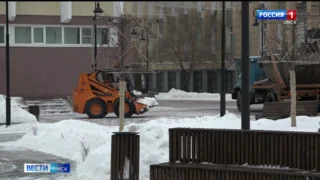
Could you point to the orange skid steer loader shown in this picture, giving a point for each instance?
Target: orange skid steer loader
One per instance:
(97, 95)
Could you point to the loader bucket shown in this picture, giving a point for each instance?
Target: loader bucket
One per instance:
(142, 108)
(277, 110)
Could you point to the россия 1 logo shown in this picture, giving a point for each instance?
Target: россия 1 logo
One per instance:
(288, 16)
(46, 168)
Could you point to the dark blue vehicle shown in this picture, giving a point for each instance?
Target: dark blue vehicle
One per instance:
(256, 74)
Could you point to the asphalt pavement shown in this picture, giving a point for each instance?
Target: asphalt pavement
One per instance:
(166, 108)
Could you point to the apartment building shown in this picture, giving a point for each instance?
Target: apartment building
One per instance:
(206, 75)
(50, 45)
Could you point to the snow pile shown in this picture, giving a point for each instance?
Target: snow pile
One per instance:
(17, 128)
(176, 94)
(90, 144)
(150, 102)
(135, 92)
(18, 115)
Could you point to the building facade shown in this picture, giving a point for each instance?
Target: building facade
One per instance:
(51, 44)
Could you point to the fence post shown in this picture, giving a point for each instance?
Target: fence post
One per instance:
(125, 155)
(35, 110)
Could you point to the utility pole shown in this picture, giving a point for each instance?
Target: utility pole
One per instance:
(245, 94)
(8, 100)
(223, 52)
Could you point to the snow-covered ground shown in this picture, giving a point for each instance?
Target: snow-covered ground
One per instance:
(18, 115)
(176, 94)
(89, 144)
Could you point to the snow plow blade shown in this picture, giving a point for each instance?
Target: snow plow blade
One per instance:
(142, 108)
(277, 110)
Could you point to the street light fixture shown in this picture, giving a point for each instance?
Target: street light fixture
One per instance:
(97, 12)
(256, 23)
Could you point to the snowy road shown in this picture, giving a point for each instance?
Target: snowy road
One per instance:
(12, 159)
(166, 108)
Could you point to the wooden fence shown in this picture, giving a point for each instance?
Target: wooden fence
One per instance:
(169, 171)
(125, 154)
(236, 147)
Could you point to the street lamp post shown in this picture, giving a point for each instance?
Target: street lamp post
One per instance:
(8, 100)
(147, 56)
(97, 12)
(245, 101)
(256, 23)
(223, 52)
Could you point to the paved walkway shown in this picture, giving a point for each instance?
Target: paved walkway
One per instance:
(12, 161)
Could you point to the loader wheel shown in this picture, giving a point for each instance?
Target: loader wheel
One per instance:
(271, 97)
(239, 101)
(96, 108)
(129, 108)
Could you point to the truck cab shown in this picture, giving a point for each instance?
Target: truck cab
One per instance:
(256, 74)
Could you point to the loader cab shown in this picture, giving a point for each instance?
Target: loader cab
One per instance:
(104, 77)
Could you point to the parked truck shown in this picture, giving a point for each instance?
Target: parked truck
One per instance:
(270, 82)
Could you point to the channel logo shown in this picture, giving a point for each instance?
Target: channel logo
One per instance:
(46, 168)
(276, 15)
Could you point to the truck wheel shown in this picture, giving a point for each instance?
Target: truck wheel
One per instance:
(239, 101)
(96, 108)
(271, 97)
(129, 108)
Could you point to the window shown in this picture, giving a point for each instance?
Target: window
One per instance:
(38, 35)
(139, 10)
(161, 12)
(1, 34)
(86, 35)
(199, 7)
(229, 38)
(150, 9)
(54, 35)
(113, 37)
(102, 36)
(71, 35)
(228, 4)
(279, 34)
(22, 35)
(213, 41)
(186, 8)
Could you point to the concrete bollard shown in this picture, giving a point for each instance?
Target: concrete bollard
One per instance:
(35, 110)
(125, 155)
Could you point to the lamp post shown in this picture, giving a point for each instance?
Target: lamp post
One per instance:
(147, 56)
(256, 23)
(223, 51)
(245, 101)
(97, 12)
(8, 100)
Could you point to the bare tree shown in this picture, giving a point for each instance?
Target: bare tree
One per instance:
(287, 45)
(121, 50)
(186, 41)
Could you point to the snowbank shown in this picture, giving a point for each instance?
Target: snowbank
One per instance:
(176, 94)
(137, 92)
(18, 115)
(90, 144)
(150, 102)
